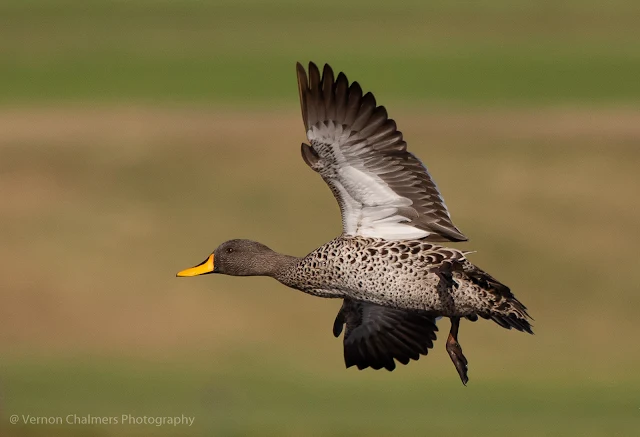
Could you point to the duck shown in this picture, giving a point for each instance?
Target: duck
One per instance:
(390, 266)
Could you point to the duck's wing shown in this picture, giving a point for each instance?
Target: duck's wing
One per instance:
(382, 189)
(376, 335)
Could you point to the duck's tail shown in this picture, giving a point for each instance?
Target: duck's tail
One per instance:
(500, 305)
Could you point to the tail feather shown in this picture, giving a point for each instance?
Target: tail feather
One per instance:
(510, 321)
(503, 307)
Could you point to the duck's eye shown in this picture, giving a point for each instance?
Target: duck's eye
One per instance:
(229, 249)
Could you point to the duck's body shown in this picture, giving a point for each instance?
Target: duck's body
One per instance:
(395, 281)
(388, 273)
(409, 275)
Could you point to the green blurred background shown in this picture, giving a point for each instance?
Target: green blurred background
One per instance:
(135, 136)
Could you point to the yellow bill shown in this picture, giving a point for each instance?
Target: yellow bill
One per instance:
(200, 269)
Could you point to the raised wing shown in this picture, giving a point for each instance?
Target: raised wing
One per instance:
(383, 190)
(377, 335)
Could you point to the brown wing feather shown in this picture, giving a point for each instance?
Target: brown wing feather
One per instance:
(373, 142)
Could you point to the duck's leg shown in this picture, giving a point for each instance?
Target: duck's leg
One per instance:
(455, 351)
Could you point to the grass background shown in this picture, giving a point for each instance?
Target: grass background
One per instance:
(489, 52)
(136, 136)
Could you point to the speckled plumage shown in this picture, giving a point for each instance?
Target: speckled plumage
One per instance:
(408, 274)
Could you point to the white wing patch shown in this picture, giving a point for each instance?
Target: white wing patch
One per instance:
(369, 206)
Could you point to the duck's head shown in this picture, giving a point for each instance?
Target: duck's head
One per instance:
(235, 258)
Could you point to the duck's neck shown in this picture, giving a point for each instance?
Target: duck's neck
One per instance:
(274, 264)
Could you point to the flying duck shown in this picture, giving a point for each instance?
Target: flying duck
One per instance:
(389, 267)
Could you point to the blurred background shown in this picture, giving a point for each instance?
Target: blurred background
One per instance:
(135, 136)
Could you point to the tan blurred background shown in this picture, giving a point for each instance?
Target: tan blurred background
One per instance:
(136, 136)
